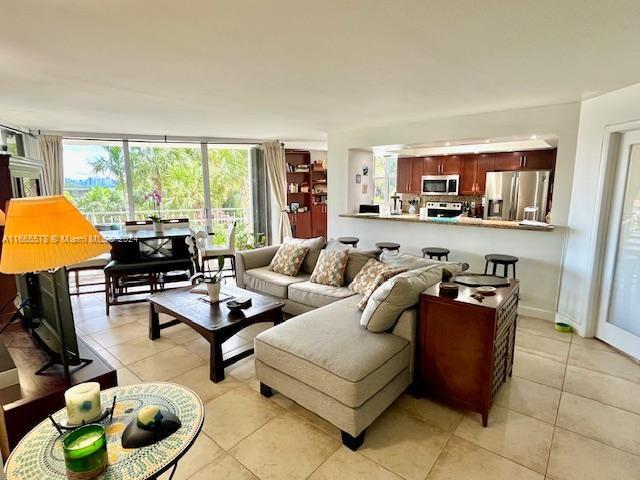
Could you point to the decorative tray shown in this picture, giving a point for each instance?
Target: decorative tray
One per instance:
(480, 280)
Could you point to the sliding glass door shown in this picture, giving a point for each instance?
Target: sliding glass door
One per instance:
(619, 322)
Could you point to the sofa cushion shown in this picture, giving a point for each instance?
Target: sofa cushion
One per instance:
(399, 293)
(317, 295)
(330, 267)
(405, 260)
(314, 245)
(288, 259)
(271, 283)
(328, 350)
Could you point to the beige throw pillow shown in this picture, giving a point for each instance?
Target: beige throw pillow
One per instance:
(330, 267)
(288, 259)
(401, 292)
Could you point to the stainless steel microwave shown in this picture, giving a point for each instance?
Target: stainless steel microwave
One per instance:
(440, 184)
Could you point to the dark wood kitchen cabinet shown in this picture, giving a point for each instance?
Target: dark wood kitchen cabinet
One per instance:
(409, 178)
(508, 161)
(404, 175)
(465, 347)
(473, 177)
(442, 165)
(539, 159)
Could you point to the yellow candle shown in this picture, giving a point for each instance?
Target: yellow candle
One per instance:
(83, 403)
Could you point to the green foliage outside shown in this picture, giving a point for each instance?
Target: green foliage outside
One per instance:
(176, 172)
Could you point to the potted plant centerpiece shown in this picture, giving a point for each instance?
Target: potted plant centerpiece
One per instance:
(212, 280)
(155, 196)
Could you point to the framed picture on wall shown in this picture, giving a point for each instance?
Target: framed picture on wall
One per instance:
(358, 178)
(365, 188)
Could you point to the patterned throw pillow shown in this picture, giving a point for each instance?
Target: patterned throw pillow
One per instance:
(367, 275)
(382, 277)
(330, 267)
(288, 259)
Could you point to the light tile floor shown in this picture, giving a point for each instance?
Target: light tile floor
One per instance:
(571, 411)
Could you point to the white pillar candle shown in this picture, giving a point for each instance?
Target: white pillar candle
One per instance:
(83, 403)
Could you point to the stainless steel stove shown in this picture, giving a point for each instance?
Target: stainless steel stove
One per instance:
(444, 209)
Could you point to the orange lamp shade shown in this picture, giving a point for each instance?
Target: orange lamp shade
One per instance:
(45, 233)
(3, 218)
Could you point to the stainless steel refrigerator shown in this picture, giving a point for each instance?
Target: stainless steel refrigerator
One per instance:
(517, 195)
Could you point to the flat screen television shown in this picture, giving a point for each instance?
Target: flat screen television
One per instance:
(49, 316)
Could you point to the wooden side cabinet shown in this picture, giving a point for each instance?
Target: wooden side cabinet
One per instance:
(465, 347)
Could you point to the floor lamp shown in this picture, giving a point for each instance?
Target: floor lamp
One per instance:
(46, 234)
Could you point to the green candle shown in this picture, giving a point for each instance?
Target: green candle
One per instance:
(85, 452)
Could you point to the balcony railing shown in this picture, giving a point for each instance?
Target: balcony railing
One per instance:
(196, 216)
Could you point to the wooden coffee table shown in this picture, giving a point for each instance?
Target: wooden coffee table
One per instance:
(216, 323)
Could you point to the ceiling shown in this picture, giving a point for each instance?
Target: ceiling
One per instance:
(294, 70)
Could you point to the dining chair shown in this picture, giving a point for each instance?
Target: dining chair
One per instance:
(227, 251)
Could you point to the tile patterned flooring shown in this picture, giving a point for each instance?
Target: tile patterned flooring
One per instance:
(571, 411)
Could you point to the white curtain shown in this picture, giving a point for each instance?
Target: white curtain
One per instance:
(277, 174)
(51, 152)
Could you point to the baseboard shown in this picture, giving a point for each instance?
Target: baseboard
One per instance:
(535, 312)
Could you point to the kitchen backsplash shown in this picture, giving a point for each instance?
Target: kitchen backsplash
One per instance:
(440, 198)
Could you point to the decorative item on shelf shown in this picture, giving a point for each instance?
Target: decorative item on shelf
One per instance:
(150, 426)
(412, 205)
(211, 280)
(319, 166)
(85, 452)
(294, 207)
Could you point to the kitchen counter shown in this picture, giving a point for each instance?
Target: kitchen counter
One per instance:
(460, 221)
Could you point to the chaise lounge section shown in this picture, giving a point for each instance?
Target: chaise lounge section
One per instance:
(324, 358)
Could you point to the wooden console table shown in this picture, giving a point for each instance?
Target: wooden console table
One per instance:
(27, 404)
(465, 347)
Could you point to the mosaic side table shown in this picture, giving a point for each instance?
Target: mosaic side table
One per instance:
(39, 454)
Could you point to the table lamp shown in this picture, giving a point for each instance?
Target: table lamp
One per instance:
(47, 233)
(3, 218)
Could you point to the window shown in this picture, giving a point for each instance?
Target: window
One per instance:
(385, 175)
(174, 173)
(13, 142)
(95, 179)
(230, 189)
(96, 175)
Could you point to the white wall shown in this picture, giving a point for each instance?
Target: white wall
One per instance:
(357, 160)
(579, 291)
(540, 253)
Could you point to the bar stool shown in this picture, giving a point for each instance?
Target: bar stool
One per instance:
(498, 259)
(391, 246)
(353, 241)
(436, 252)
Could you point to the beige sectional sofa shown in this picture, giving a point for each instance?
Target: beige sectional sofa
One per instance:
(323, 358)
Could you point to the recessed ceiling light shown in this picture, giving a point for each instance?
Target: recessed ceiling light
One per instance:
(487, 141)
(533, 137)
(448, 143)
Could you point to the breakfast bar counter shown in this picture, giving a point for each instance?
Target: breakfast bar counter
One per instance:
(461, 221)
